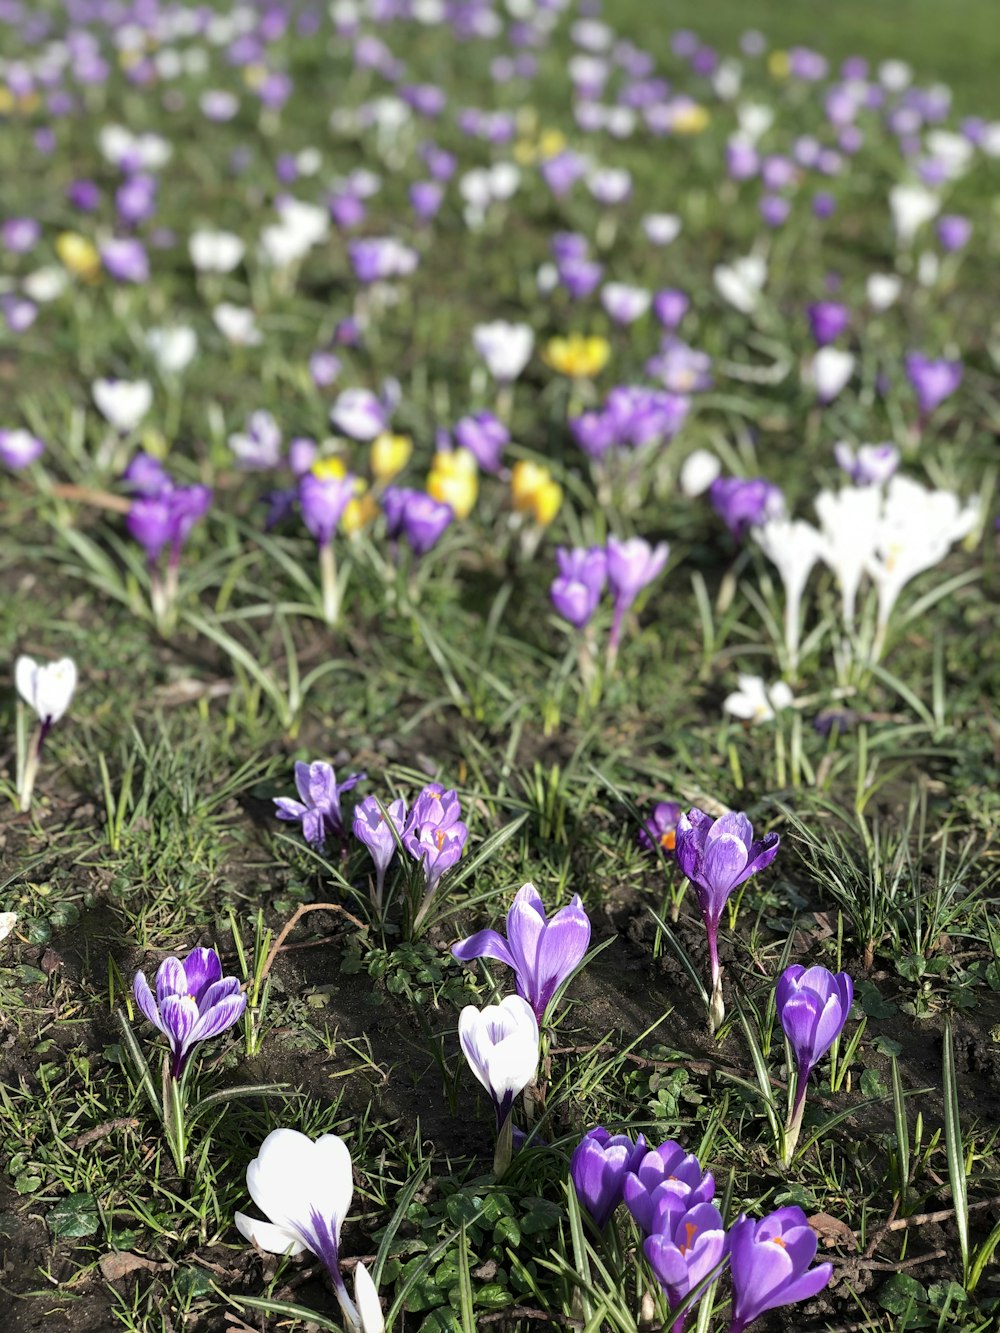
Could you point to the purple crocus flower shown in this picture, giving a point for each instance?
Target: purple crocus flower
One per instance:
(813, 1006)
(165, 517)
(146, 475)
(744, 502)
(19, 448)
(485, 436)
(827, 321)
(580, 276)
(415, 516)
(666, 1183)
(933, 380)
(125, 259)
(598, 1168)
(426, 198)
(717, 856)
(135, 199)
(774, 210)
(84, 195)
(670, 306)
(435, 834)
(19, 235)
(659, 831)
(632, 566)
(323, 501)
(870, 465)
(953, 231)
(769, 1264)
(582, 578)
(373, 829)
(193, 1002)
(543, 953)
(318, 809)
(324, 367)
(685, 1255)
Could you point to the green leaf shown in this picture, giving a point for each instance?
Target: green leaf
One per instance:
(901, 1294)
(869, 997)
(74, 1216)
(27, 1182)
(541, 1216)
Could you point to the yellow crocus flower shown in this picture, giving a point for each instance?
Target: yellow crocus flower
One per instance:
(534, 491)
(551, 142)
(389, 455)
(79, 255)
(360, 511)
(454, 480)
(578, 356)
(779, 63)
(690, 119)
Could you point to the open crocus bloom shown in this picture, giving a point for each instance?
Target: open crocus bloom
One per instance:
(48, 687)
(769, 1263)
(543, 953)
(501, 1045)
(305, 1188)
(193, 1002)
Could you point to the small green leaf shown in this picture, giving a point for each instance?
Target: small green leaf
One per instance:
(869, 997)
(74, 1217)
(26, 1183)
(901, 1294)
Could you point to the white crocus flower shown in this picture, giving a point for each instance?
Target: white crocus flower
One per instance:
(46, 284)
(661, 228)
(506, 348)
(756, 702)
(173, 349)
(47, 688)
(755, 119)
(829, 372)
(698, 472)
(911, 207)
(123, 403)
(215, 251)
(882, 290)
(305, 1189)
(238, 324)
(500, 1043)
(915, 531)
(793, 547)
(849, 521)
(741, 282)
(8, 920)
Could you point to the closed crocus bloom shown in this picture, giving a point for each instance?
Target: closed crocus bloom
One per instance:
(215, 251)
(305, 1189)
(47, 687)
(741, 283)
(598, 1168)
(624, 303)
(684, 1256)
(869, 464)
(666, 1183)
(372, 827)
(718, 855)
(829, 371)
(849, 524)
(769, 1264)
(505, 348)
(582, 577)
(79, 255)
(193, 1002)
(534, 491)
(813, 1005)
(323, 499)
(632, 565)
(484, 436)
(882, 290)
(793, 547)
(578, 356)
(699, 470)
(827, 321)
(454, 480)
(125, 259)
(911, 206)
(123, 403)
(933, 380)
(360, 414)
(500, 1043)
(542, 952)
(389, 455)
(745, 502)
(173, 349)
(19, 448)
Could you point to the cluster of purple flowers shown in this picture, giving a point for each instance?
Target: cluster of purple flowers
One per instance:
(162, 513)
(631, 417)
(626, 567)
(432, 831)
(745, 502)
(671, 1198)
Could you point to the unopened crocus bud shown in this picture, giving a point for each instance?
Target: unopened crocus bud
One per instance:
(598, 1168)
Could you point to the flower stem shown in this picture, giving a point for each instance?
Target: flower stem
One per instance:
(794, 1125)
(26, 786)
(716, 1004)
(173, 1115)
(328, 579)
(505, 1147)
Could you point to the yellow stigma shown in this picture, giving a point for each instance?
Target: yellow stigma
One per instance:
(578, 356)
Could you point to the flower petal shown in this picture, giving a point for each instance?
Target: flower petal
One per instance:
(273, 1239)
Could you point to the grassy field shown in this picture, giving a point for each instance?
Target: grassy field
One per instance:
(153, 827)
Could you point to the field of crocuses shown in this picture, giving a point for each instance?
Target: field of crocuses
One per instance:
(500, 557)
